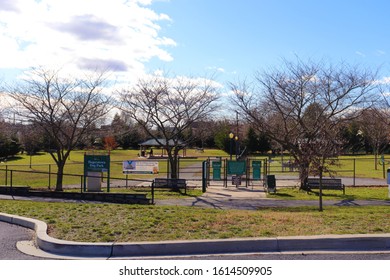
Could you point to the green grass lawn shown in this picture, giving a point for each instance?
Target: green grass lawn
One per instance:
(44, 163)
(127, 223)
(351, 193)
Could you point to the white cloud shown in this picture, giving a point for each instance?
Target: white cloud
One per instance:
(380, 52)
(120, 35)
(360, 54)
(384, 81)
(216, 69)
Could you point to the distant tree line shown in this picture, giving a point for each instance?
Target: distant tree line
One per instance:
(368, 134)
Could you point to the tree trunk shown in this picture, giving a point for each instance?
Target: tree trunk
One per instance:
(320, 190)
(173, 161)
(376, 158)
(60, 176)
(303, 174)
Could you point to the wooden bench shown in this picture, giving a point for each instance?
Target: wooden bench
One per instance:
(327, 184)
(166, 183)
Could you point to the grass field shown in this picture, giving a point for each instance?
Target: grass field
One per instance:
(122, 223)
(361, 166)
(126, 223)
(44, 163)
(351, 193)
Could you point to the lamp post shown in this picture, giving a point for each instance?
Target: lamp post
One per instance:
(236, 138)
(231, 136)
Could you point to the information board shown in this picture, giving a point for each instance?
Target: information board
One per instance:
(92, 165)
(236, 167)
(140, 167)
(97, 163)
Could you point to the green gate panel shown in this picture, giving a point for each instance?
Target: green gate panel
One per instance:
(217, 170)
(256, 168)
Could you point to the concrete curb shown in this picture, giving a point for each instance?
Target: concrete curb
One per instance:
(359, 242)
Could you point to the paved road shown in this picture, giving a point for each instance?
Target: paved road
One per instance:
(293, 256)
(9, 236)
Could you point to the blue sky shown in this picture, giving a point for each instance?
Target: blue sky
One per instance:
(233, 39)
(241, 37)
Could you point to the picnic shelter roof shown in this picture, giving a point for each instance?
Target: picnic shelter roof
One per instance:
(161, 142)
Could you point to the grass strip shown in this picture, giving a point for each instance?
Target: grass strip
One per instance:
(129, 223)
(351, 193)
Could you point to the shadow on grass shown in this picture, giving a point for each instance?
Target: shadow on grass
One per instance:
(281, 195)
(11, 159)
(297, 209)
(335, 196)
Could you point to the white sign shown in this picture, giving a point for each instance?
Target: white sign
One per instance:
(140, 166)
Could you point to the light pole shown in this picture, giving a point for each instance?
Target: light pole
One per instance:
(236, 138)
(231, 136)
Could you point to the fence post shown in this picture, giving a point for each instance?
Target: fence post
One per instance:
(178, 168)
(168, 168)
(152, 193)
(247, 173)
(354, 172)
(208, 171)
(204, 176)
(6, 175)
(11, 178)
(225, 173)
(49, 175)
(269, 165)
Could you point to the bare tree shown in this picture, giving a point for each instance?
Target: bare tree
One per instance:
(301, 105)
(374, 126)
(166, 107)
(67, 109)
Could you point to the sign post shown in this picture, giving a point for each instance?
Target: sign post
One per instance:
(204, 176)
(93, 165)
(388, 182)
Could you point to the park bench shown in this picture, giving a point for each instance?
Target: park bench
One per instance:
(327, 184)
(167, 183)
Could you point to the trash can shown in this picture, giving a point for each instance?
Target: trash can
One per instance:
(271, 183)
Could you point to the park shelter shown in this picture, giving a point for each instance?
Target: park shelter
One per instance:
(146, 148)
